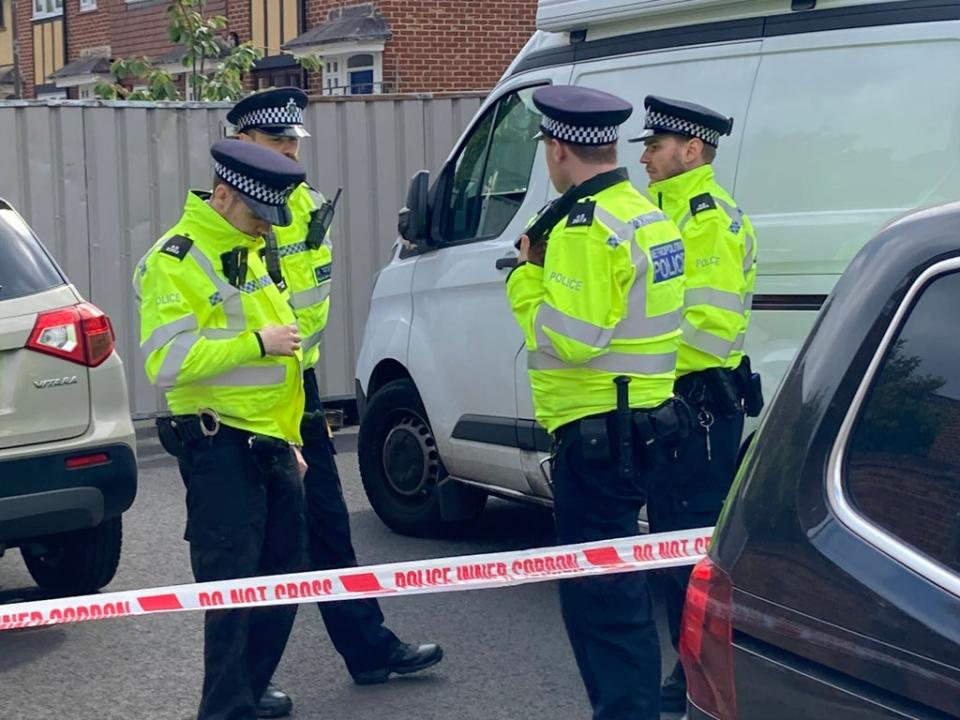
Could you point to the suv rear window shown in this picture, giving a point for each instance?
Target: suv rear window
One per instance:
(904, 472)
(25, 268)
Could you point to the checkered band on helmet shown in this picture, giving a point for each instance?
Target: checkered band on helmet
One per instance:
(289, 114)
(254, 188)
(662, 122)
(604, 135)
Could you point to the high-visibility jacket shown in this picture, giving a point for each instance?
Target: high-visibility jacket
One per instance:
(607, 302)
(307, 271)
(197, 330)
(721, 268)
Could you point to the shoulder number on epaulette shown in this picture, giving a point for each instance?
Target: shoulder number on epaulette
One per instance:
(582, 214)
(700, 203)
(178, 246)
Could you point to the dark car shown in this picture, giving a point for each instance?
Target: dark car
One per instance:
(832, 587)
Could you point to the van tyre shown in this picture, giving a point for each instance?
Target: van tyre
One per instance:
(78, 562)
(401, 468)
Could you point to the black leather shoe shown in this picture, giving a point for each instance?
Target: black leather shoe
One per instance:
(404, 660)
(673, 692)
(274, 703)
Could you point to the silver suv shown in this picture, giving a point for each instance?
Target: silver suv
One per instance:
(68, 466)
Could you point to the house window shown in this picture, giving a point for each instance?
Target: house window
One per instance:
(47, 8)
(52, 95)
(85, 92)
(88, 5)
(356, 74)
(360, 74)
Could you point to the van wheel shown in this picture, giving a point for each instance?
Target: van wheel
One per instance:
(401, 467)
(78, 562)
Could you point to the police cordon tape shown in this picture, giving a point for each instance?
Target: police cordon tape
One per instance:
(469, 572)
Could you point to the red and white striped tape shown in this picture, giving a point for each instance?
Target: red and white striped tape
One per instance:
(470, 572)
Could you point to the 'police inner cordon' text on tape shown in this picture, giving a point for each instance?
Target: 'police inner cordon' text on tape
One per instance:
(470, 572)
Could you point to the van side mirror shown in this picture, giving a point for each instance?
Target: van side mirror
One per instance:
(414, 220)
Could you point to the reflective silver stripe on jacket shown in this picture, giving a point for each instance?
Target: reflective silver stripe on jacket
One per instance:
(311, 297)
(705, 341)
(740, 342)
(162, 334)
(249, 377)
(568, 326)
(627, 230)
(720, 299)
(175, 357)
(312, 341)
(613, 362)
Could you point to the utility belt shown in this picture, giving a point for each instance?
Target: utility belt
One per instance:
(178, 433)
(654, 435)
(723, 392)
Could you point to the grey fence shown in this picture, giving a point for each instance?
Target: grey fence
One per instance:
(100, 182)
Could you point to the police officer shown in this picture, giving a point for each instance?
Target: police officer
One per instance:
(274, 119)
(714, 375)
(599, 304)
(221, 340)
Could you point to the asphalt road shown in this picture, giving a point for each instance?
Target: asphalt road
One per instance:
(506, 652)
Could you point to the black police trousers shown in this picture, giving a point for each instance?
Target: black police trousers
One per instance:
(609, 618)
(355, 626)
(690, 494)
(244, 518)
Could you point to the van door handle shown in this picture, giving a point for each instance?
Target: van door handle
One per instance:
(510, 261)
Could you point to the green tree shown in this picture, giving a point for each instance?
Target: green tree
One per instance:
(902, 414)
(214, 74)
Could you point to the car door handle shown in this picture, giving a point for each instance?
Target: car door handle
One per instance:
(510, 261)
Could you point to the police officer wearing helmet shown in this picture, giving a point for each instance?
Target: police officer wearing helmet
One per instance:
(598, 294)
(300, 255)
(714, 374)
(221, 340)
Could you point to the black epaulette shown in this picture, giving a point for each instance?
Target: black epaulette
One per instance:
(699, 203)
(582, 214)
(178, 246)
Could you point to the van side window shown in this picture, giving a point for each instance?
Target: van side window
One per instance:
(903, 472)
(492, 171)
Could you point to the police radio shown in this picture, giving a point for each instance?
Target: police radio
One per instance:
(320, 221)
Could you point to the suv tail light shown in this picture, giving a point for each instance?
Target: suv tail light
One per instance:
(79, 333)
(706, 641)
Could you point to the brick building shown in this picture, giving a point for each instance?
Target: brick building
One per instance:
(377, 46)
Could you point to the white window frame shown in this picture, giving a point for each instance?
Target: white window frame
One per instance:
(88, 5)
(53, 95)
(47, 12)
(85, 92)
(336, 74)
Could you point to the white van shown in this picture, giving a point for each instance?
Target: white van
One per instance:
(847, 113)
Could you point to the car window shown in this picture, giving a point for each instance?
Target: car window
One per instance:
(25, 268)
(493, 169)
(904, 462)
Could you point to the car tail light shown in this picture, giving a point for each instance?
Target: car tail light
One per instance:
(82, 461)
(79, 333)
(706, 641)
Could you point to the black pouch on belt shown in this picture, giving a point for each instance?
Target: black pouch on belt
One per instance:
(169, 439)
(723, 392)
(178, 431)
(595, 440)
(750, 388)
(266, 449)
